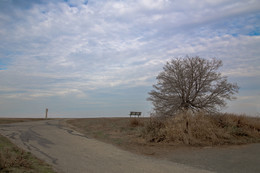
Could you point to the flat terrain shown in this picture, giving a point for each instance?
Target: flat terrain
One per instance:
(70, 151)
(123, 133)
(17, 120)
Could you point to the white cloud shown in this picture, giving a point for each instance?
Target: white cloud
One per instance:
(77, 47)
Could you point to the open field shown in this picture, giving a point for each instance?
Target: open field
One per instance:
(150, 136)
(117, 131)
(17, 120)
(238, 156)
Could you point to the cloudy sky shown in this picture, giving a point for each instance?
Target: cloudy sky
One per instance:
(100, 58)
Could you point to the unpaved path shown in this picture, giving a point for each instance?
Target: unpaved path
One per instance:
(71, 152)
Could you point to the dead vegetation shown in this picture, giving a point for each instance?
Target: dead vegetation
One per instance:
(136, 122)
(18, 120)
(203, 129)
(118, 131)
(14, 159)
(10, 160)
(191, 83)
(154, 136)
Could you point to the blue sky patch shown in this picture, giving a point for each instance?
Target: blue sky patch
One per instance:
(3, 65)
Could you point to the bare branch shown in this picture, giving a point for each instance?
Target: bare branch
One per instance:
(191, 83)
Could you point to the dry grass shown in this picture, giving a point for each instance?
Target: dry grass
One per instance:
(188, 129)
(157, 136)
(117, 131)
(202, 129)
(121, 132)
(9, 160)
(14, 159)
(135, 122)
(17, 120)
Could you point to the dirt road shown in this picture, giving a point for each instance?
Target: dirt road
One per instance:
(71, 152)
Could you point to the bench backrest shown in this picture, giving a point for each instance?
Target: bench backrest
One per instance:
(136, 113)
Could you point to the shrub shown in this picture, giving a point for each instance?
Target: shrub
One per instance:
(154, 130)
(203, 129)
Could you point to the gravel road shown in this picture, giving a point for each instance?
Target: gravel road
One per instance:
(71, 152)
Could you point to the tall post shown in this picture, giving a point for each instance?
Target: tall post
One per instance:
(46, 113)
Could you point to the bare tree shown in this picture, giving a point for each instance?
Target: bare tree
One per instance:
(192, 83)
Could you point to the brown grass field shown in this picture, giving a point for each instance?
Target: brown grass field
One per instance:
(122, 132)
(158, 136)
(18, 120)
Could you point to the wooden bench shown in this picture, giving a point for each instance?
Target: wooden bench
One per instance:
(135, 114)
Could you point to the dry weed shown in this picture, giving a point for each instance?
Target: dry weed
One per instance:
(9, 159)
(135, 122)
(203, 129)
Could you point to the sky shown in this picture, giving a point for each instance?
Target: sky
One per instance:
(100, 58)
